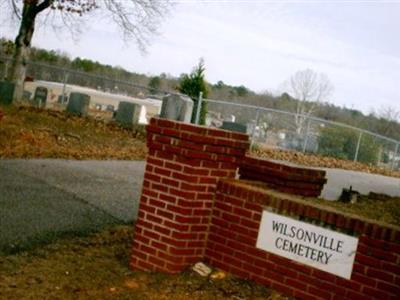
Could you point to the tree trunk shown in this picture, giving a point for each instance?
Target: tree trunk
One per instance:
(17, 70)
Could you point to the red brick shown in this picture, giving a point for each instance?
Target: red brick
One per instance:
(167, 198)
(367, 260)
(155, 161)
(173, 166)
(179, 210)
(375, 293)
(352, 295)
(152, 235)
(165, 214)
(287, 290)
(157, 203)
(304, 296)
(164, 123)
(361, 279)
(165, 155)
(196, 171)
(176, 226)
(152, 177)
(373, 273)
(230, 217)
(162, 230)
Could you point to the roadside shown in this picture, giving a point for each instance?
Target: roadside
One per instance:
(41, 200)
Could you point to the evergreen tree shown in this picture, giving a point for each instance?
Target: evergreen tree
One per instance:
(192, 84)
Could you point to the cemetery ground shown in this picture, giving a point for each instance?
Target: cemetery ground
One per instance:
(27, 132)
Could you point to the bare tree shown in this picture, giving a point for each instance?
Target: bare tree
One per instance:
(137, 19)
(388, 121)
(309, 89)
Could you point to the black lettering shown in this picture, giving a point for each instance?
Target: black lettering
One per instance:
(292, 232)
(276, 226)
(276, 242)
(320, 255)
(327, 257)
(317, 238)
(300, 250)
(313, 254)
(300, 232)
(307, 237)
(286, 245)
(293, 247)
(339, 246)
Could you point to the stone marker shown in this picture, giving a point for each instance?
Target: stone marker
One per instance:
(201, 269)
(177, 108)
(128, 113)
(6, 92)
(232, 126)
(78, 104)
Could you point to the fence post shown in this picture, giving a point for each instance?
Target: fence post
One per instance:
(254, 128)
(306, 138)
(358, 146)
(6, 70)
(64, 86)
(198, 109)
(396, 149)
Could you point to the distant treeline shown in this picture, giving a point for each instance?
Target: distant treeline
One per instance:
(219, 91)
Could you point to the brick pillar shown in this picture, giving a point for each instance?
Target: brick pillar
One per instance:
(183, 167)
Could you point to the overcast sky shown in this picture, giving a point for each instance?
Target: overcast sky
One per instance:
(260, 44)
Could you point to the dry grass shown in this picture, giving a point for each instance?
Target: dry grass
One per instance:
(33, 133)
(96, 267)
(321, 161)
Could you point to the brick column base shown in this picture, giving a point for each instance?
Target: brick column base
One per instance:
(183, 167)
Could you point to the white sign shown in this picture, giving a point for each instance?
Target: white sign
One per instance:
(311, 245)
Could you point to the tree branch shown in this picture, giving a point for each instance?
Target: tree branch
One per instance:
(42, 6)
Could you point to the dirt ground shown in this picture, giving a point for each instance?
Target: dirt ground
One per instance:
(96, 267)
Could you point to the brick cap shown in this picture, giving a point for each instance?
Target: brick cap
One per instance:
(157, 121)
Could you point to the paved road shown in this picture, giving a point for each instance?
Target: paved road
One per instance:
(42, 199)
(361, 182)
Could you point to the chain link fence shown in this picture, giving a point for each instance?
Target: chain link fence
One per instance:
(267, 127)
(285, 130)
(105, 92)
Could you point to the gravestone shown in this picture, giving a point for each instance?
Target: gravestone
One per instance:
(177, 108)
(6, 92)
(232, 126)
(78, 104)
(62, 100)
(40, 97)
(27, 96)
(128, 113)
(110, 108)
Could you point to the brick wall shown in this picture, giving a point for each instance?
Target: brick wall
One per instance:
(232, 247)
(282, 177)
(183, 167)
(191, 209)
